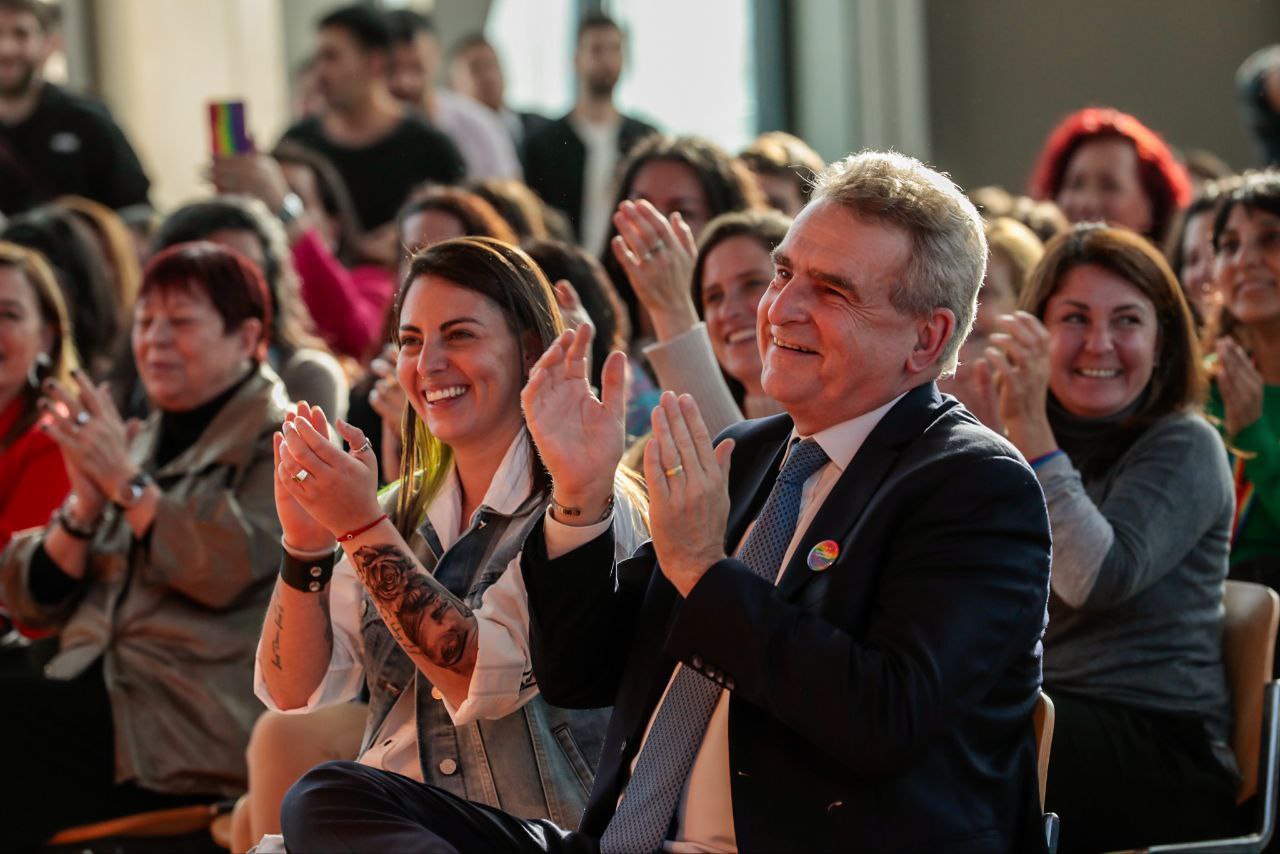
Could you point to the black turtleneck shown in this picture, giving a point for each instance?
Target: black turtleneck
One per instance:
(1091, 442)
(181, 430)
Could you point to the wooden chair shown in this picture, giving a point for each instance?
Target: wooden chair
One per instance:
(1042, 721)
(1248, 652)
(170, 822)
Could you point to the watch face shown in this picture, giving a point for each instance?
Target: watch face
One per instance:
(133, 491)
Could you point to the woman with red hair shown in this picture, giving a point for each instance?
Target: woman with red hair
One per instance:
(1102, 164)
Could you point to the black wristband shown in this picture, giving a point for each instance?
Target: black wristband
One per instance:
(308, 576)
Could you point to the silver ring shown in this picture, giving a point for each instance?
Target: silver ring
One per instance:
(302, 475)
(82, 418)
(647, 255)
(360, 450)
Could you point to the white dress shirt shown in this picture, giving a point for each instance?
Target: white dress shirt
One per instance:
(704, 813)
(601, 142)
(480, 135)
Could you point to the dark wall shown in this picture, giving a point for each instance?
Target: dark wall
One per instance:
(1002, 72)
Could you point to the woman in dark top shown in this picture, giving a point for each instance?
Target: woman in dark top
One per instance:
(156, 570)
(1100, 380)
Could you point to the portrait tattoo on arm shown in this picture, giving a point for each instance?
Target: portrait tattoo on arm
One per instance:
(424, 618)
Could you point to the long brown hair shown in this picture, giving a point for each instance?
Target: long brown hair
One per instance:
(117, 249)
(510, 279)
(1177, 379)
(62, 358)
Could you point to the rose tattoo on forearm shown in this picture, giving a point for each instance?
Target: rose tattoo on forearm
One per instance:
(423, 617)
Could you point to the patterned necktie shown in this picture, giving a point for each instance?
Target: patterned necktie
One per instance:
(649, 800)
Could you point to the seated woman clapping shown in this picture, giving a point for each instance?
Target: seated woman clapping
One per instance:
(35, 344)
(427, 603)
(1099, 378)
(157, 568)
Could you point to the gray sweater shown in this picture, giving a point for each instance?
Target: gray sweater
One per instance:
(1139, 561)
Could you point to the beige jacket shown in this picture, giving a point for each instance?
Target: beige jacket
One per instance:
(176, 616)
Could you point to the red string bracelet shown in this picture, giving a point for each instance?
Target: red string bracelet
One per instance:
(351, 535)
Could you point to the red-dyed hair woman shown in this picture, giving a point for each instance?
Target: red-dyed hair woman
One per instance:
(1102, 164)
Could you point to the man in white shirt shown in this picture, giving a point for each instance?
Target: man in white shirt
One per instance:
(571, 162)
(476, 71)
(480, 136)
(861, 673)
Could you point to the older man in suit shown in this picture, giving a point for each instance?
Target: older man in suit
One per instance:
(860, 673)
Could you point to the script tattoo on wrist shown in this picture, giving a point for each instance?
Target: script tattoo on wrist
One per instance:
(275, 641)
(423, 617)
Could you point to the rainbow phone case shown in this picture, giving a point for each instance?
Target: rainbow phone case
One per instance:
(227, 129)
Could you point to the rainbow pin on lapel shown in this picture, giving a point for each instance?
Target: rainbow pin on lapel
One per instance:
(823, 555)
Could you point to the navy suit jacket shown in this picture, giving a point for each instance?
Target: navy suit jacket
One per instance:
(883, 704)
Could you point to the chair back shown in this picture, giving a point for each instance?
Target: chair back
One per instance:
(1042, 720)
(1252, 612)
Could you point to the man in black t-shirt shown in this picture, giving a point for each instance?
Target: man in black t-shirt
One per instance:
(53, 142)
(381, 151)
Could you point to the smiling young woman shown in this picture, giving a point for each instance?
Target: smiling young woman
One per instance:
(1099, 377)
(1245, 394)
(428, 598)
(35, 343)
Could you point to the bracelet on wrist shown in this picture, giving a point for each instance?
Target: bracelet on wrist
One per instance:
(1044, 458)
(80, 533)
(306, 554)
(309, 575)
(564, 511)
(351, 535)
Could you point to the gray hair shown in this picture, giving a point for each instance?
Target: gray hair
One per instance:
(948, 245)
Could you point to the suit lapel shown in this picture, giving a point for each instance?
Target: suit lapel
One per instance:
(844, 505)
(751, 478)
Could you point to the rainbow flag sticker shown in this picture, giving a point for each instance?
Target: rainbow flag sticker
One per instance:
(226, 124)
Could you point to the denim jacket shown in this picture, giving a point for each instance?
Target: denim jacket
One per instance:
(536, 762)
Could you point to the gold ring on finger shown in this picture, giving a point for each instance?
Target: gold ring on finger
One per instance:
(674, 470)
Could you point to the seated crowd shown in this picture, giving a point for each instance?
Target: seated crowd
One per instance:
(454, 478)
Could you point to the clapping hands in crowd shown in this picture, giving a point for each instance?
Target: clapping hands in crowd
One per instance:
(94, 440)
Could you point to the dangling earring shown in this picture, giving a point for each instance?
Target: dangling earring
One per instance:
(41, 367)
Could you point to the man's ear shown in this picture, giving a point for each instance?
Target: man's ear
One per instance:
(932, 334)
